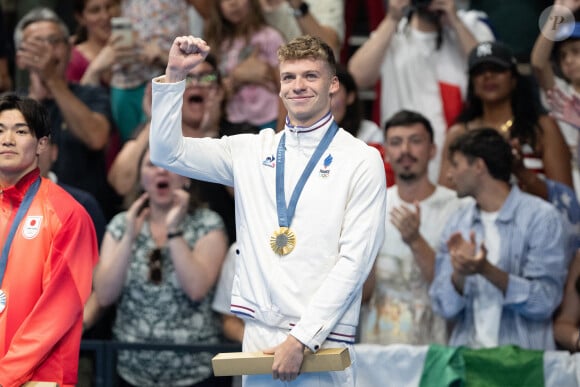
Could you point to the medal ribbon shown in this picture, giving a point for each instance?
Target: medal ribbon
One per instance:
(285, 214)
(26, 201)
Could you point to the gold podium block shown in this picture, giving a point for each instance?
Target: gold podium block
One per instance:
(254, 363)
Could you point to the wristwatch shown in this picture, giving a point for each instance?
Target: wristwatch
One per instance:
(302, 10)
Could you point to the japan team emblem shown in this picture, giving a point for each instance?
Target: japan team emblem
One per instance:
(31, 226)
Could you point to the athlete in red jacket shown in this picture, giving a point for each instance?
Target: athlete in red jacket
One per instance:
(46, 265)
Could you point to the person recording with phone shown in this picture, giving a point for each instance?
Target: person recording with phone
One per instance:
(159, 262)
(419, 53)
(154, 26)
(97, 44)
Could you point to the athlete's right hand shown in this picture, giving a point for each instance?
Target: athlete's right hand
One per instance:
(186, 52)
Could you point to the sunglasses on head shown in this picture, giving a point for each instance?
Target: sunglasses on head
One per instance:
(155, 266)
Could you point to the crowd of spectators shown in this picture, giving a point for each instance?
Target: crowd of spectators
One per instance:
(478, 124)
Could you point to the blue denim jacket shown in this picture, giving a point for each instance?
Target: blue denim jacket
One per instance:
(533, 253)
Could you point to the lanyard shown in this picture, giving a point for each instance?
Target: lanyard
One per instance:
(285, 214)
(30, 193)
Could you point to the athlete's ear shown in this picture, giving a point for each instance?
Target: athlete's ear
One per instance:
(334, 85)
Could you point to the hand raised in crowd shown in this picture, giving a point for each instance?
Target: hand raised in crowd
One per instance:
(115, 52)
(572, 5)
(185, 53)
(407, 222)
(36, 56)
(564, 107)
(178, 209)
(396, 9)
(254, 70)
(464, 258)
(136, 215)
(153, 53)
(111, 54)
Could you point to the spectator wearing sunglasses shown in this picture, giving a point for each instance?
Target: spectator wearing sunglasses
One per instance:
(159, 262)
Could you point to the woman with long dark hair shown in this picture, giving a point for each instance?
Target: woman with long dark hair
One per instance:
(500, 97)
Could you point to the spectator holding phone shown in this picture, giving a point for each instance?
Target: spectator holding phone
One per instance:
(154, 27)
(159, 261)
(95, 48)
(420, 59)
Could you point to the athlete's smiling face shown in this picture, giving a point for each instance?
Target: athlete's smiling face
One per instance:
(306, 86)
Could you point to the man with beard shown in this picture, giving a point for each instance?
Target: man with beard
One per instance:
(399, 311)
(421, 60)
(501, 262)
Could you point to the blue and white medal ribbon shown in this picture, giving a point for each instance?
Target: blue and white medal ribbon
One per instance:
(283, 240)
(26, 201)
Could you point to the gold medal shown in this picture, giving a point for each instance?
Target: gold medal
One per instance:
(283, 241)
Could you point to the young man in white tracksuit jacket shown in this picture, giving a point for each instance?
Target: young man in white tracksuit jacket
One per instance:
(302, 263)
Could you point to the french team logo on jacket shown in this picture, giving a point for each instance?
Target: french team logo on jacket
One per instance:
(325, 170)
(31, 226)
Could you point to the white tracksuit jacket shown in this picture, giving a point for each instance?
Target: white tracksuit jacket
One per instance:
(315, 291)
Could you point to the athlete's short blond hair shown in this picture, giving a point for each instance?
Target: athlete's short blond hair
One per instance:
(308, 47)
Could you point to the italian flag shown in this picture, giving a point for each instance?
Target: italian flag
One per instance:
(439, 366)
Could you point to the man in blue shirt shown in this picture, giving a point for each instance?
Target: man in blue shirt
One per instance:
(501, 263)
